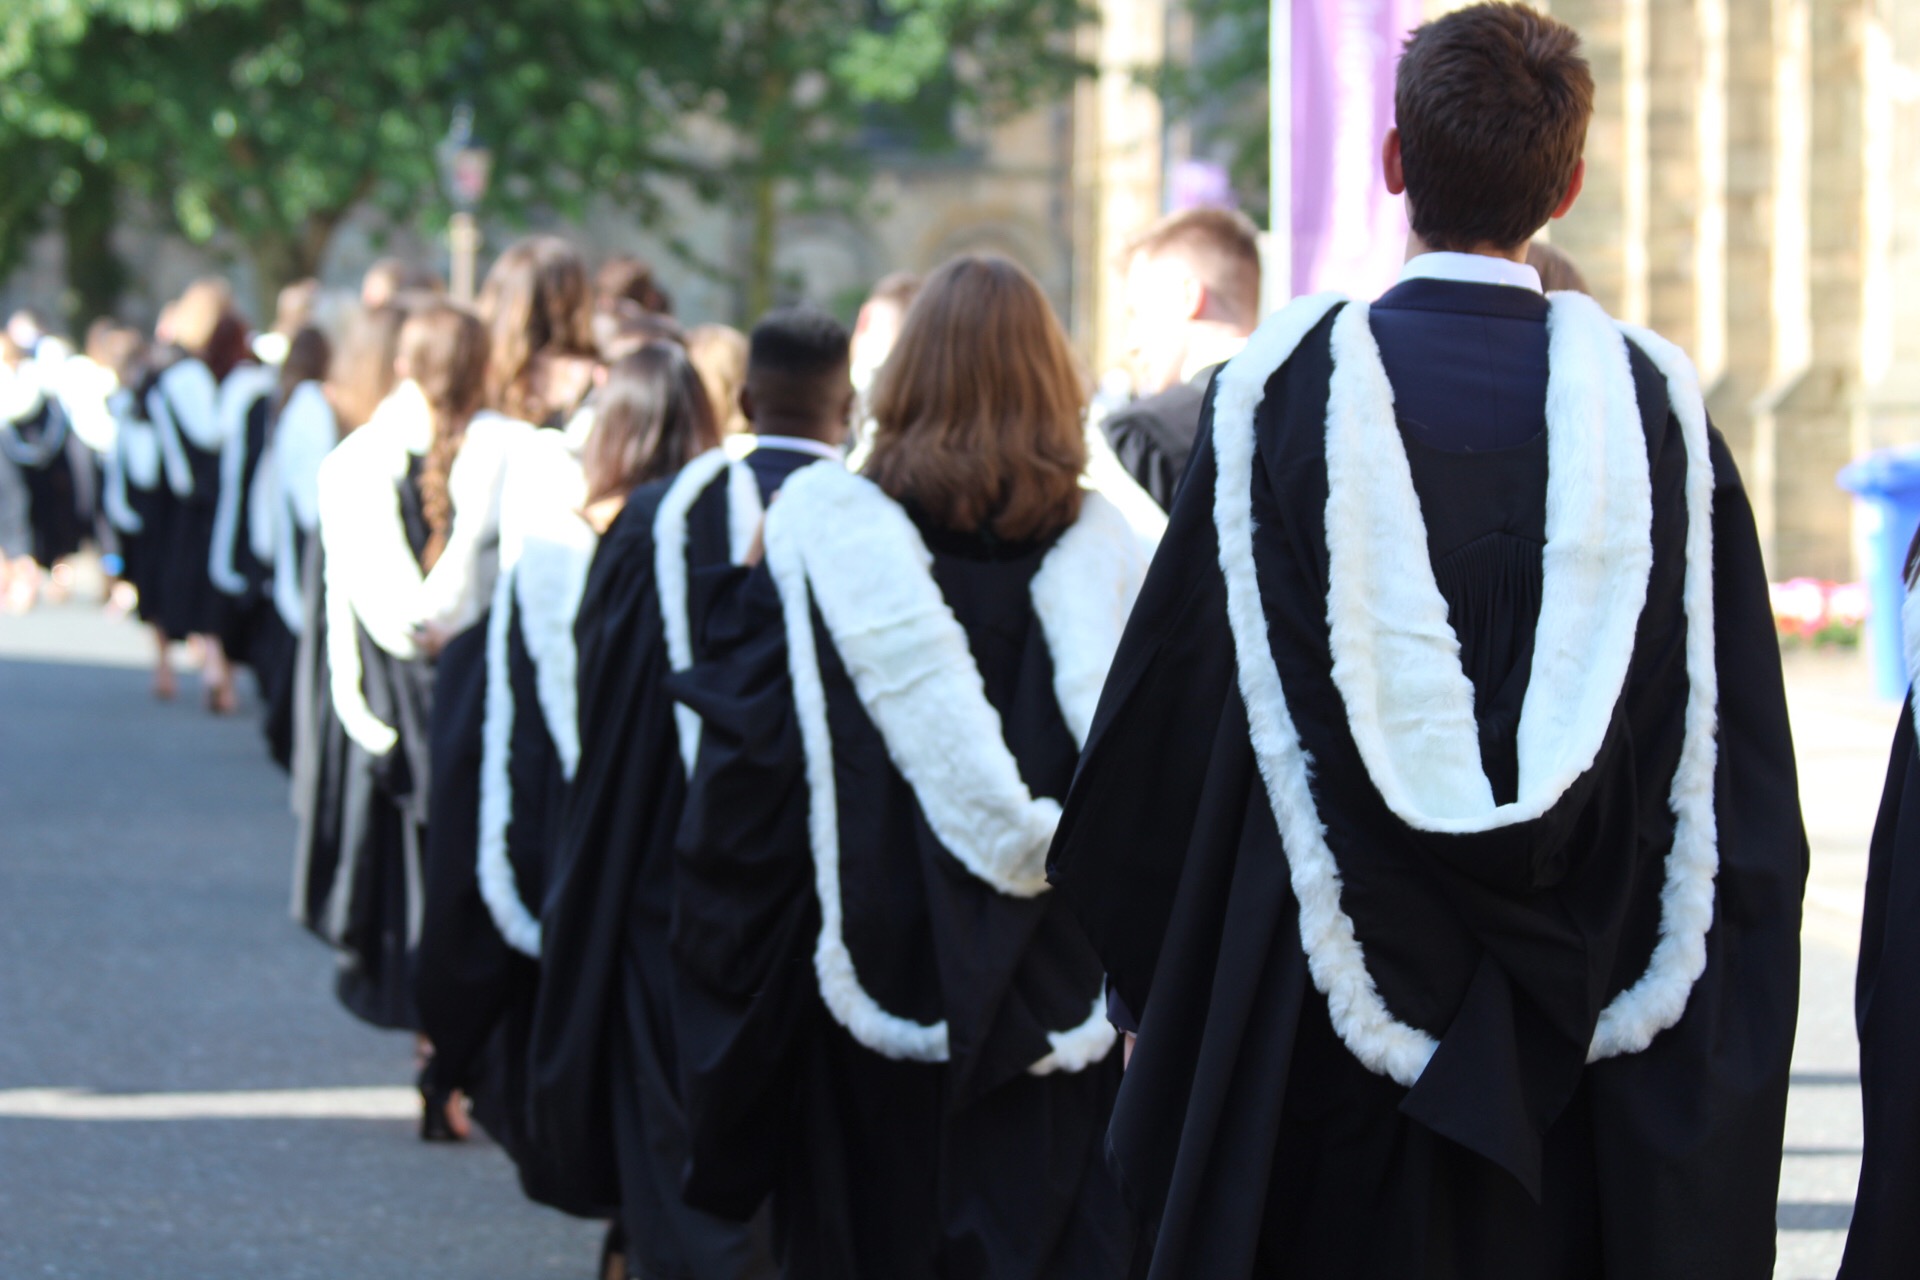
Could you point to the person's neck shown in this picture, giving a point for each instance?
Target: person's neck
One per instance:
(798, 430)
(1417, 246)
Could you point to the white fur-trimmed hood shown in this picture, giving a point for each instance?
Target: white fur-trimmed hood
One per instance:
(835, 541)
(1396, 661)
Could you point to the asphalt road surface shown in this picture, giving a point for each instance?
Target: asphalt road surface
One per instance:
(181, 1097)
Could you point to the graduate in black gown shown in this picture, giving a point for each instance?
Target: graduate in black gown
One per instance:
(406, 531)
(285, 499)
(1439, 823)
(889, 1023)
(535, 305)
(1884, 1239)
(246, 523)
(191, 403)
(36, 441)
(361, 377)
(606, 1098)
(478, 969)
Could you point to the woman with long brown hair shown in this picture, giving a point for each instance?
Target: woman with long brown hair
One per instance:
(408, 508)
(538, 305)
(938, 630)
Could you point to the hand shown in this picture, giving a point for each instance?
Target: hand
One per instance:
(1126, 1050)
(430, 638)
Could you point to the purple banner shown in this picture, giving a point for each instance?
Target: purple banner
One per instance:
(1348, 233)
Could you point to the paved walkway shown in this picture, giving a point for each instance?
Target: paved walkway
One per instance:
(180, 1096)
(146, 950)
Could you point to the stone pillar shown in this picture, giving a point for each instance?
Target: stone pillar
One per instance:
(1893, 397)
(1687, 178)
(1606, 234)
(1767, 152)
(1117, 164)
(1819, 420)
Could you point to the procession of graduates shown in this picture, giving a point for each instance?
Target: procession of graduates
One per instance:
(838, 805)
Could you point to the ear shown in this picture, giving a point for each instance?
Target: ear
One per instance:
(1391, 166)
(1574, 186)
(1193, 298)
(746, 404)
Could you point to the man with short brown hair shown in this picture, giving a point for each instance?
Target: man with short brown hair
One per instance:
(1439, 819)
(1192, 295)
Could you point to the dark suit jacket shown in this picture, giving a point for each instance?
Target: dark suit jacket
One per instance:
(1153, 436)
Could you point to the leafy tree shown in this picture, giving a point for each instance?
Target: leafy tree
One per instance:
(273, 120)
(808, 91)
(1221, 91)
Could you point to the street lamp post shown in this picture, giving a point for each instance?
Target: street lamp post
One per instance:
(465, 167)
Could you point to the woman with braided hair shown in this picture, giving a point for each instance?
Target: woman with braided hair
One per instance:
(407, 535)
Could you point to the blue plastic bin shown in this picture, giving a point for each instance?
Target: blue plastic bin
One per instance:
(1887, 483)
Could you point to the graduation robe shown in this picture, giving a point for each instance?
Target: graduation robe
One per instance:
(478, 969)
(1884, 1239)
(889, 1024)
(240, 556)
(1379, 889)
(605, 1099)
(365, 799)
(184, 405)
(37, 442)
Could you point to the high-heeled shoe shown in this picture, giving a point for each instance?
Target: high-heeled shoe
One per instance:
(436, 1110)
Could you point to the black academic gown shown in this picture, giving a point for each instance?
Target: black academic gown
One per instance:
(476, 992)
(1885, 1237)
(1153, 437)
(39, 445)
(253, 633)
(605, 1098)
(362, 818)
(882, 1168)
(1249, 1140)
(188, 603)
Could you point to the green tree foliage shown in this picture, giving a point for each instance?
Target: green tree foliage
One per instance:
(1221, 92)
(272, 120)
(806, 93)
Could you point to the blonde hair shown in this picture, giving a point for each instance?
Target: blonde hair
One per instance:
(978, 409)
(719, 356)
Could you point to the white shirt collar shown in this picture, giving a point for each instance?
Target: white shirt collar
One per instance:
(799, 444)
(1471, 268)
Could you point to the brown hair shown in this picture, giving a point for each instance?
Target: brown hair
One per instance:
(362, 372)
(444, 350)
(1492, 105)
(719, 355)
(978, 410)
(536, 303)
(626, 277)
(651, 419)
(309, 355)
(1221, 246)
